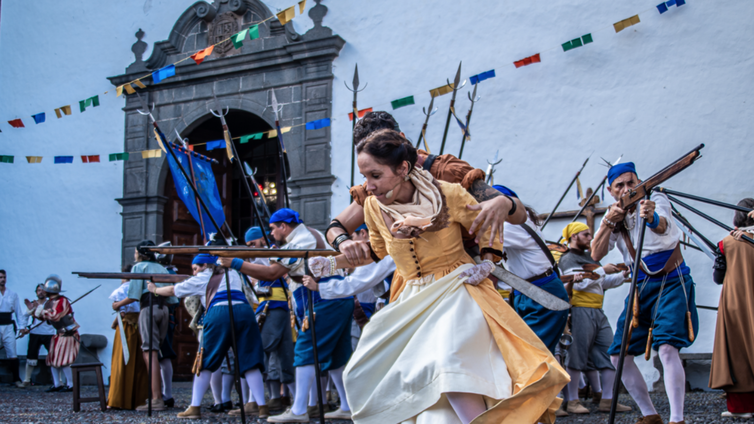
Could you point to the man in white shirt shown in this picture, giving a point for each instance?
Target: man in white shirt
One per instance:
(665, 290)
(40, 332)
(9, 305)
(591, 330)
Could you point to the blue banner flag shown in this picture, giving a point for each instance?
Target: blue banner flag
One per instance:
(161, 74)
(319, 123)
(205, 185)
(481, 77)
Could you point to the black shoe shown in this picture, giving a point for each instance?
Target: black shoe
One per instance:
(54, 389)
(216, 408)
(170, 402)
(66, 389)
(227, 406)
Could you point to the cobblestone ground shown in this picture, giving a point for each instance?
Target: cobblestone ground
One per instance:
(32, 405)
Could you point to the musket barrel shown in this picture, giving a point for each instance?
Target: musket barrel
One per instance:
(157, 278)
(242, 252)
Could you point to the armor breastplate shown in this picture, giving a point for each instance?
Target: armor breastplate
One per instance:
(66, 323)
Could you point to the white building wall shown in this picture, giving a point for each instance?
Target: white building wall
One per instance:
(650, 92)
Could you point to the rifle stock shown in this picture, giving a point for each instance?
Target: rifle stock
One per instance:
(156, 278)
(645, 188)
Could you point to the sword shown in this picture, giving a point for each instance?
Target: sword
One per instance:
(123, 342)
(575, 177)
(544, 298)
(77, 299)
(456, 87)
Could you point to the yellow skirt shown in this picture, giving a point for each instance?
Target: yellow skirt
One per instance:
(129, 383)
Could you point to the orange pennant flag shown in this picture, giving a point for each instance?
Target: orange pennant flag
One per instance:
(201, 54)
(285, 16)
(361, 113)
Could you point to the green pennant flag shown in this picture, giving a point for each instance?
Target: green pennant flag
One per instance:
(406, 101)
(118, 156)
(245, 139)
(254, 32)
(237, 38)
(92, 101)
(577, 42)
(6, 159)
(587, 38)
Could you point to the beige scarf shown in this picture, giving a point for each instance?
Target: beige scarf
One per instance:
(427, 210)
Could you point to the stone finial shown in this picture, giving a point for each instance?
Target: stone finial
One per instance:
(317, 14)
(138, 48)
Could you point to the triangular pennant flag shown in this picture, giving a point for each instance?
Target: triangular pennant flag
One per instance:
(66, 110)
(406, 101)
(528, 61)
(439, 91)
(160, 141)
(164, 73)
(238, 37)
(361, 113)
(301, 6)
(286, 15)
(318, 124)
(228, 145)
(16, 123)
(202, 54)
(39, 118)
(620, 26)
(6, 159)
(579, 192)
(34, 159)
(92, 101)
(154, 153)
(254, 32)
(63, 159)
(129, 89)
(118, 156)
(285, 130)
(245, 139)
(587, 38)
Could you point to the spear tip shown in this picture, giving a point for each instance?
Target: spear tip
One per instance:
(356, 77)
(458, 75)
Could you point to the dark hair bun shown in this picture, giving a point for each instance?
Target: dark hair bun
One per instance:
(388, 147)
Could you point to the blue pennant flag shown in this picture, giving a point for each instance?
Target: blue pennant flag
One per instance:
(161, 74)
(481, 77)
(39, 118)
(319, 123)
(217, 144)
(63, 159)
(205, 185)
(662, 8)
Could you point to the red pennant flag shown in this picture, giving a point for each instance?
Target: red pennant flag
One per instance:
(527, 61)
(90, 159)
(201, 54)
(16, 123)
(362, 112)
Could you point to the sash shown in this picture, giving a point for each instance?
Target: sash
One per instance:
(582, 299)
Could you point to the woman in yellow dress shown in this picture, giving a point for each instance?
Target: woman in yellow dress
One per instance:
(448, 349)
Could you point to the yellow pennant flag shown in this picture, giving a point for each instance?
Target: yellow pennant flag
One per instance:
(285, 16)
(154, 153)
(301, 6)
(139, 84)
(63, 110)
(272, 133)
(34, 159)
(620, 26)
(439, 91)
(285, 130)
(228, 146)
(128, 87)
(160, 142)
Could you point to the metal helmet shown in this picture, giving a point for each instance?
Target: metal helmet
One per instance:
(53, 284)
(164, 258)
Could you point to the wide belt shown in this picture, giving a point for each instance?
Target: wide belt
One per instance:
(540, 276)
(276, 295)
(156, 300)
(583, 299)
(5, 318)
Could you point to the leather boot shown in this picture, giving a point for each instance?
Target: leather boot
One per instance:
(596, 397)
(250, 409)
(650, 419)
(575, 407)
(605, 406)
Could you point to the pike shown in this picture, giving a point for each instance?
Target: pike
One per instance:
(704, 200)
(544, 298)
(626, 202)
(710, 219)
(232, 152)
(575, 177)
(594, 193)
(77, 299)
(705, 246)
(355, 90)
(466, 134)
(256, 187)
(155, 278)
(451, 111)
(491, 168)
(281, 151)
(423, 135)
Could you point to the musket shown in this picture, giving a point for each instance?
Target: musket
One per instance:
(473, 99)
(258, 190)
(241, 252)
(704, 200)
(155, 278)
(575, 177)
(231, 148)
(77, 299)
(491, 168)
(355, 90)
(710, 219)
(455, 87)
(423, 135)
(594, 193)
(281, 151)
(636, 194)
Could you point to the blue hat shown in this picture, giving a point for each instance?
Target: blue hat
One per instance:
(253, 233)
(361, 227)
(505, 190)
(285, 215)
(204, 258)
(618, 170)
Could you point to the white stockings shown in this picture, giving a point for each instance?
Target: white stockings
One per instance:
(635, 384)
(675, 380)
(466, 405)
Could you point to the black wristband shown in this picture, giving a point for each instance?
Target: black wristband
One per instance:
(340, 239)
(513, 202)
